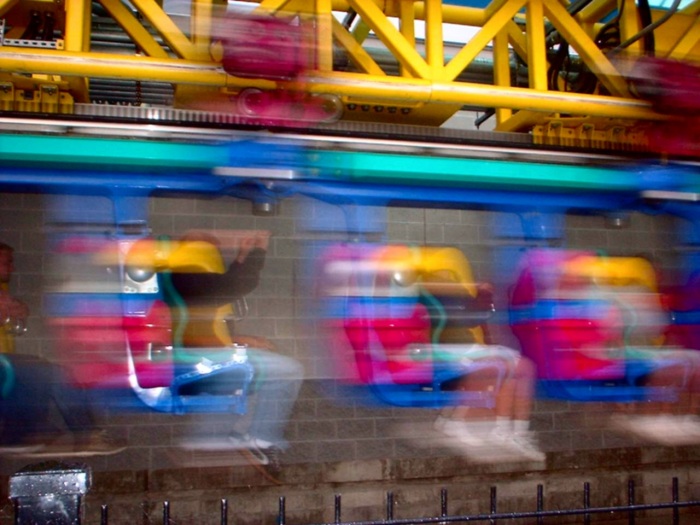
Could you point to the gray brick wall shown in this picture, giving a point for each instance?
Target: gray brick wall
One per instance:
(323, 428)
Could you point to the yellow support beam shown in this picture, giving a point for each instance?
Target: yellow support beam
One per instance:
(521, 120)
(592, 56)
(451, 14)
(545, 101)
(167, 29)
(596, 11)
(324, 35)
(517, 39)
(687, 42)
(426, 85)
(469, 52)
(692, 9)
(407, 27)
(105, 65)
(77, 34)
(79, 90)
(203, 14)
(382, 89)
(494, 7)
(297, 7)
(361, 31)
(271, 6)
(630, 26)
(434, 50)
(7, 96)
(132, 27)
(536, 47)
(357, 54)
(6, 5)
(392, 38)
(501, 70)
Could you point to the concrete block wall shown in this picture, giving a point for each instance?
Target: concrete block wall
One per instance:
(310, 490)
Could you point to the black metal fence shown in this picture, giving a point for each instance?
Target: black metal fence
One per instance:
(627, 513)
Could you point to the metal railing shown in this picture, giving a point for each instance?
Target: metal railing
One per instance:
(627, 513)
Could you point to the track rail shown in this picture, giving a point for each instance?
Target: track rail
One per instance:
(168, 124)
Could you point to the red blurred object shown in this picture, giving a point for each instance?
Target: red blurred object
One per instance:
(677, 137)
(93, 350)
(151, 346)
(671, 86)
(563, 347)
(264, 47)
(684, 302)
(276, 49)
(98, 349)
(391, 361)
(286, 107)
(570, 349)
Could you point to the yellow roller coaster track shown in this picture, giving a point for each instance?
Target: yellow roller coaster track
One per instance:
(421, 78)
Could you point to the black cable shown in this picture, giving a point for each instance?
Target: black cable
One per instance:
(645, 18)
(648, 29)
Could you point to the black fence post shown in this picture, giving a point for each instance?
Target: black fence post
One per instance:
(674, 498)
(493, 504)
(224, 512)
(337, 509)
(281, 513)
(630, 500)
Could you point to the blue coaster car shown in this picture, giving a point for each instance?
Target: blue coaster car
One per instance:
(116, 321)
(387, 312)
(592, 325)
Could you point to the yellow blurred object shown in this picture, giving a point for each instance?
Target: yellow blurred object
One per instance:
(441, 272)
(195, 257)
(230, 240)
(7, 340)
(449, 260)
(396, 271)
(146, 253)
(176, 256)
(207, 327)
(445, 271)
(613, 271)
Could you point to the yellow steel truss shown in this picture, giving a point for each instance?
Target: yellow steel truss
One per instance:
(391, 73)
